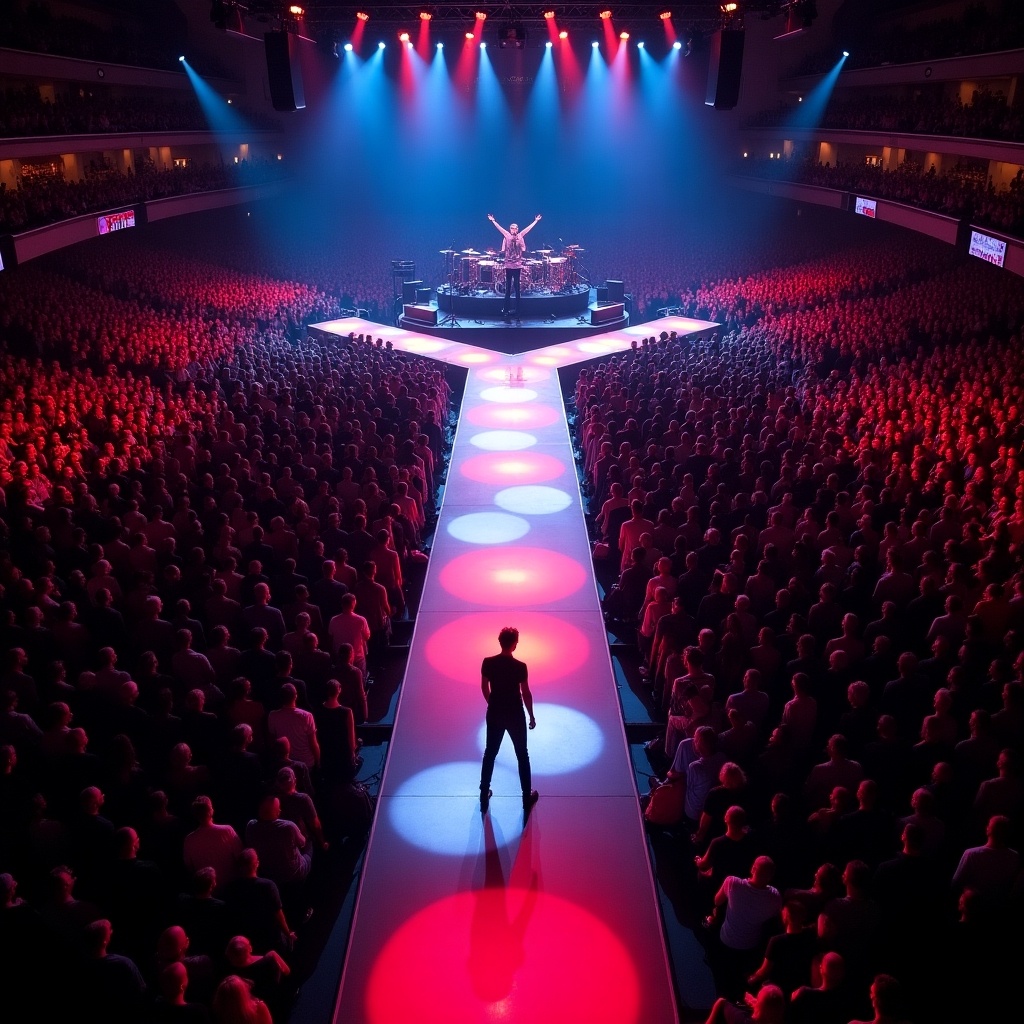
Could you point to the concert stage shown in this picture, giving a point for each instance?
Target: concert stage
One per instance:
(476, 919)
(544, 319)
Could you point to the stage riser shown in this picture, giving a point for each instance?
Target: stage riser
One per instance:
(531, 307)
(514, 340)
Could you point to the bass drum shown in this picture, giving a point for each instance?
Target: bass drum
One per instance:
(525, 277)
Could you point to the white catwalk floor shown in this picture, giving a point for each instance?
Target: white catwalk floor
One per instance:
(461, 918)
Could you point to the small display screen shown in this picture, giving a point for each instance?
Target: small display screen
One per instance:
(865, 207)
(985, 247)
(115, 221)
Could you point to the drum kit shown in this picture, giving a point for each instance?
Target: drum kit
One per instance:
(544, 271)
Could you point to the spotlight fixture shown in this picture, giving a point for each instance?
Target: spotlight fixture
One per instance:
(380, 45)
(549, 15)
(469, 35)
(563, 34)
(296, 10)
(362, 16)
(605, 15)
(846, 53)
(481, 15)
(182, 60)
(640, 45)
(594, 44)
(677, 45)
(548, 44)
(665, 15)
(425, 16)
(623, 35)
(730, 8)
(483, 46)
(348, 47)
(403, 37)
(440, 46)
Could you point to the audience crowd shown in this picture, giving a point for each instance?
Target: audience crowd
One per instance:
(987, 116)
(197, 573)
(24, 112)
(958, 192)
(817, 519)
(44, 201)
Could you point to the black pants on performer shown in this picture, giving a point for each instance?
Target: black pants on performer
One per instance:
(512, 276)
(513, 722)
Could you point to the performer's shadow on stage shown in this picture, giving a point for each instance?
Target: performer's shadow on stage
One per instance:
(501, 914)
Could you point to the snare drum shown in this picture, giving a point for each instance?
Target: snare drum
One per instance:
(558, 272)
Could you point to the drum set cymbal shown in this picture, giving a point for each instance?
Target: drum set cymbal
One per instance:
(471, 252)
(543, 252)
(447, 252)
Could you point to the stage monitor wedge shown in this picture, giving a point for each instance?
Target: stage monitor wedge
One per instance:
(606, 313)
(284, 71)
(724, 69)
(422, 314)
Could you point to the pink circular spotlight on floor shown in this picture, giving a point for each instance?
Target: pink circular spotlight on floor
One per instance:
(475, 358)
(512, 468)
(503, 953)
(508, 396)
(498, 417)
(550, 646)
(423, 345)
(513, 576)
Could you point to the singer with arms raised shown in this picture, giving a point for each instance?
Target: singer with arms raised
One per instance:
(513, 248)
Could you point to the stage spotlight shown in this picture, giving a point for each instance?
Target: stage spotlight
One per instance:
(380, 45)
(425, 15)
(605, 15)
(640, 45)
(182, 59)
(730, 8)
(594, 44)
(548, 44)
(404, 36)
(846, 53)
(563, 34)
(665, 15)
(296, 10)
(348, 47)
(440, 46)
(469, 35)
(483, 46)
(481, 15)
(362, 16)
(549, 15)
(677, 45)
(623, 35)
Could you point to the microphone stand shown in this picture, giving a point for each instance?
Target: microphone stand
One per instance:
(450, 320)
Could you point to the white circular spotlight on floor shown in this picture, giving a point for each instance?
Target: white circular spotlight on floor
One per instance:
(503, 440)
(532, 500)
(488, 528)
(508, 396)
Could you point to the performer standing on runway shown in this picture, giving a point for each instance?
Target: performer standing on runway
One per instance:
(505, 685)
(513, 248)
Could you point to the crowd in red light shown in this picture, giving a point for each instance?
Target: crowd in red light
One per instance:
(836, 490)
(163, 472)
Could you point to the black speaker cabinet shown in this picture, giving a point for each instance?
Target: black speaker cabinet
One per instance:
(423, 296)
(409, 289)
(724, 69)
(283, 69)
(616, 290)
